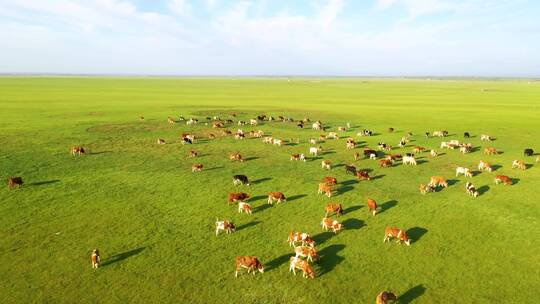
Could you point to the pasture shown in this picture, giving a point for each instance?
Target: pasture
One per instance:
(153, 219)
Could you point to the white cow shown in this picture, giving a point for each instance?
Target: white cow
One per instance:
(464, 171)
(409, 160)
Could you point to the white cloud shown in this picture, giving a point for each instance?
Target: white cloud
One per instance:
(180, 7)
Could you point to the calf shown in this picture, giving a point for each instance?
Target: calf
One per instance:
(237, 197)
(196, 167)
(409, 160)
(484, 166)
(333, 208)
(298, 157)
(224, 225)
(326, 164)
(471, 189)
(310, 253)
(426, 188)
(77, 150)
(385, 297)
(436, 181)
(276, 196)
(518, 164)
(490, 151)
(15, 182)
(251, 263)
(304, 238)
(244, 207)
(326, 189)
(399, 234)
(329, 180)
(372, 205)
(236, 157)
(503, 179)
(328, 223)
(464, 171)
(363, 175)
(240, 180)
(95, 258)
(297, 263)
(528, 152)
(350, 169)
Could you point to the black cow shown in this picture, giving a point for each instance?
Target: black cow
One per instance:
(350, 169)
(528, 152)
(466, 135)
(368, 152)
(427, 134)
(15, 182)
(187, 140)
(240, 179)
(300, 125)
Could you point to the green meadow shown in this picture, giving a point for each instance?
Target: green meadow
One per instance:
(153, 219)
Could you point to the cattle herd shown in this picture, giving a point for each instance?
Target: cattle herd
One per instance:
(305, 252)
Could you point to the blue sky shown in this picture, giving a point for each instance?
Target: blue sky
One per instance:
(271, 37)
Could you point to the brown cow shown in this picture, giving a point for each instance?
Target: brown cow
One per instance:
(333, 208)
(304, 238)
(372, 205)
(236, 157)
(224, 225)
(193, 153)
(438, 181)
(329, 180)
(385, 297)
(503, 179)
(251, 263)
(399, 234)
(326, 164)
(15, 182)
(196, 167)
(237, 197)
(484, 166)
(95, 258)
(418, 149)
(490, 151)
(77, 150)
(327, 189)
(310, 253)
(297, 263)
(363, 175)
(328, 223)
(276, 196)
(384, 163)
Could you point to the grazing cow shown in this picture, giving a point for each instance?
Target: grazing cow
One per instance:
(385, 297)
(490, 151)
(313, 141)
(465, 171)
(253, 122)
(328, 223)
(304, 238)
(466, 135)
(356, 155)
(433, 153)
(385, 163)
(436, 181)
(465, 148)
(390, 130)
(444, 145)
(485, 137)
(454, 142)
(399, 234)
(365, 132)
(409, 160)
(326, 189)
(244, 207)
(15, 182)
(350, 169)
(418, 149)
(237, 197)
(241, 123)
(187, 139)
(528, 152)
(77, 150)
(440, 133)
(314, 150)
(342, 129)
(251, 263)
(239, 136)
(240, 180)
(196, 167)
(236, 157)
(503, 179)
(95, 258)
(309, 253)
(317, 125)
(224, 225)
(471, 189)
(218, 124)
(426, 188)
(297, 263)
(350, 145)
(161, 141)
(369, 152)
(332, 135)
(381, 146)
(211, 136)
(258, 133)
(326, 164)
(363, 175)
(484, 166)
(193, 153)
(372, 205)
(277, 142)
(427, 134)
(518, 164)
(333, 208)
(268, 140)
(276, 196)
(298, 157)
(393, 157)
(329, 180)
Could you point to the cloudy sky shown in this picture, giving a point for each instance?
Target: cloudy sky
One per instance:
(272, 37)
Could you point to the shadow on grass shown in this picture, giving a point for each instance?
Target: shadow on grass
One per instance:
(261, 208)
(349, 182)
(483, 189)
(351, 209)
(378, 176)
(251, 158)
(122, 256)
(275, 263)
(247, 225)
(412, 294)
(495, 167)
(100, 152)
(421, 161)
(330, 258)
(260, 180)
(44, 182)
(388, 205)
(353, 224)
(344, 189)
(295, 197)
(258, 197)
(515, 180)
(323, 237)
(416, 233)
(339, 165)
(214, 168)
(452, 182)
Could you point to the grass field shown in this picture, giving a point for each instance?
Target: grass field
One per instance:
(153, 219)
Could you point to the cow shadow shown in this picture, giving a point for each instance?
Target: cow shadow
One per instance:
(328, 152)
(528, 166)
(323, 237)
(495, 167)
(53, 181)
(345, 189)
(258, 197)
(349, 182)
(388, 205)
(416, 233)
(261, 207)
(214, 168)
(452, 182)
(260, 180)
(122, 256)
(421, 161)
(295, 197)
(475, 149)
(368, 170)
(275, 263)
(412, 294)
(251, 158)
(330, 258)
(339, 165)
(247, 225)
(353, 224)
(100, 152)
(378, 176)
(351, 209)
(315, 158)
(515, 181)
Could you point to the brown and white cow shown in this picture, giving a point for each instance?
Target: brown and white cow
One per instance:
(385, 297)
(363, 175)
(399, 234)
(326, 189)
(161, 141)
(196, 167)
(356, 155)
(329, 180)
(77, 150)
(304, 238)
(236, 157)
(15, 182)
(298, 157)
(485, 137)
(224, 225)
(238, 197)
(436, 181)
(268, 140)
(503, 179)
(251, 263)
(385, 163)
(426, 188)
(244, 207)
(490, 151)
(326, 164)
(315, 150)
(95, 258)
(418, 149)
(484, 166)
(433, 153)
(465, 171)
(372, 205)
(276, 196)
(193, 153)
(310, 253)
(297, 263)
(519, 164)
(333, 208)
(332, 135)
(328, 223)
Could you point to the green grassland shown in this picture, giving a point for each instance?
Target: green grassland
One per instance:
(153, 219)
